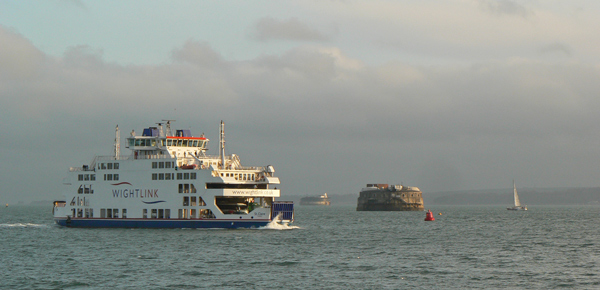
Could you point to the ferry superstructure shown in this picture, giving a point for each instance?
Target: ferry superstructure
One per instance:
(168, 181)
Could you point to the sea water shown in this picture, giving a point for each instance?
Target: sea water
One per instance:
(328, 247)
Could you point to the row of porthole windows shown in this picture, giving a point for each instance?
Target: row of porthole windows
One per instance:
(239, 176)
(162, 164)
(111, 177)
(112, 213)
(157, 213)
(108, 165)
(179, 143)
(191, 201)
(187, 188)
(171, 176)
(154, 213)
(196, 214)
(85, 177)
(104, 212)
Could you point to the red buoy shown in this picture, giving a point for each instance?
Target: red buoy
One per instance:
(429, 216)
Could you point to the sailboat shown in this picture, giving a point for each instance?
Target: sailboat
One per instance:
(517, 201)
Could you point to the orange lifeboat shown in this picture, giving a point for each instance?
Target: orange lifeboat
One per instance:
(429, 216)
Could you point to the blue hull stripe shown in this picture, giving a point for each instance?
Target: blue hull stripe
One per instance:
(154, 223)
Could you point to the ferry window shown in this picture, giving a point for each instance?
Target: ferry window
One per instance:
(109, 165)
(193, 188)
(115, 213)
(179, 176)
(222, 175)
(161, 213)
(186, 176)
(116, 166)
(184, 143)
(193, 201)
(168, 164)
(138, 142)
(167, 213)
(86, 177)
(109, 212)
(193, 213)
(161, 165)
(80, 178)
(195, 144)
(124, 213)
(80, 212)
(201, 201)
(179, 143)
(145, 213)
(180, 188)
(186, 188)
(161, 176)
(193, 175)
(186, 200)
(92, 176)
(108, 176)
(154, 165)
(103, 165)
(154, 213)
(153, 142)
(154, 176)
(115, 177)
(167, 176)
(131, 142)
(102, 212)
(180, 213)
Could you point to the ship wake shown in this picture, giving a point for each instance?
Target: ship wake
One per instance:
(277, 224)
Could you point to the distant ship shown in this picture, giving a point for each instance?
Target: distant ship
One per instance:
(517, 201)
(381, 197)
(169, 182)
(315, 200)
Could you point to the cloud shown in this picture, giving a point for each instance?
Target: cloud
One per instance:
(505, 7)
(19, 59)
(268, 28)
(556, 48)
(314, 112)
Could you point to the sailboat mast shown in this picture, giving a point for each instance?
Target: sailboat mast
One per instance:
(517, 202)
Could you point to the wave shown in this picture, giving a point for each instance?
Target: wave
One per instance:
(276, 225)
(23, 225)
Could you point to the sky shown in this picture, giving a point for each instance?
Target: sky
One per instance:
(445, 95)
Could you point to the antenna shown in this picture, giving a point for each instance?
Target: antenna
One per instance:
(117, 143)
(169, 127)
(222, 144)
(160, 130)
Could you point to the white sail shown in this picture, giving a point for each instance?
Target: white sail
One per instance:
(517, 202)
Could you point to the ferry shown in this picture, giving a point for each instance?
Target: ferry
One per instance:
(168, 181)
